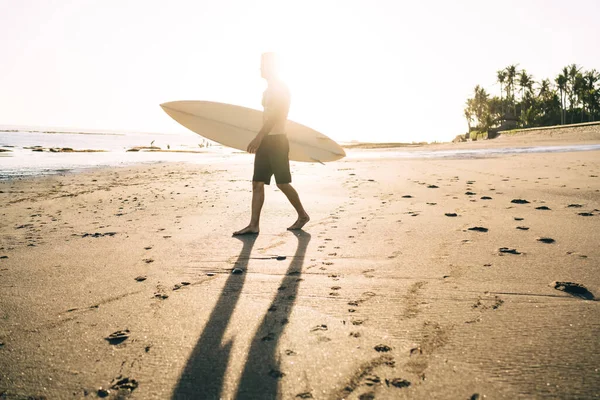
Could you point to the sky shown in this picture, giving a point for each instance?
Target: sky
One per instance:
(369, 70)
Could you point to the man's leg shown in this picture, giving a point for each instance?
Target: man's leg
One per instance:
(293, 197)
(258, 198)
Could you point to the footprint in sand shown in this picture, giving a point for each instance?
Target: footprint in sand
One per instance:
(507, 250)
(398, 383)
(542, 208)
(518, 219)
(478, 229)
(523, 228)
(519, 201)
(382, 348)
(574, 289)
(451, 215)
(321, 327)
(546, 240)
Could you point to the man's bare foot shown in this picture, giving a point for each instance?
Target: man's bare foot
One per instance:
(249, 230)
(300, 222)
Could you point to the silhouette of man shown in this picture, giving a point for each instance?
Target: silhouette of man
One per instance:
(272, 148)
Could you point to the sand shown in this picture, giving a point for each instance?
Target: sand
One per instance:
(381, 296)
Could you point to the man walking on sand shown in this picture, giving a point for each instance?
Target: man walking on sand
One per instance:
(272, 148)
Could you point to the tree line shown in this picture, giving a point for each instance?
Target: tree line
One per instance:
(573, 96)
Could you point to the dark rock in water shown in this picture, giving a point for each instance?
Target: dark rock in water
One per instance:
(575, 289)
(382, 348)
(125, 384)
(141, 278)
(451, 215)
(118, 337)
(507, 250)
(523, 228)
(478, 229)
(546, 240)
(519, 201)
(398, 382)
(542, 208)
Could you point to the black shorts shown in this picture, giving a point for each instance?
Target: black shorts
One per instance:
(272, 158)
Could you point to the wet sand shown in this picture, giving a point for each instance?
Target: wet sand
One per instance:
(416, 278)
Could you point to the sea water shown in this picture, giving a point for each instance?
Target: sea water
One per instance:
(21, 161)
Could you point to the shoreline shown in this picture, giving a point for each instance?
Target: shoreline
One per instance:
(42, 163)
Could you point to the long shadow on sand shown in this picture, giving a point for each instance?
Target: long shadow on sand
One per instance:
(261, 371)
(203, 375)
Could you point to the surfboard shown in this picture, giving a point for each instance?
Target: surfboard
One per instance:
(236, 126)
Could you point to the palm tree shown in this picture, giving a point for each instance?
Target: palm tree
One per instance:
(562, 82)
(572, 71)
(525, 82)
(501, 75)
(511, 74)
(591, 78)
(544, 88)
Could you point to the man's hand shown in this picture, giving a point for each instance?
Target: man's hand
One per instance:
(254, 144)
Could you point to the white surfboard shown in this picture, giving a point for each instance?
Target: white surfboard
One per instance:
(236, 126)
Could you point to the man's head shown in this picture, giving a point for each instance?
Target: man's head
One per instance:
(268, 66)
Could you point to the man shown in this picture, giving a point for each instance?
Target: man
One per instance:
(272, 148)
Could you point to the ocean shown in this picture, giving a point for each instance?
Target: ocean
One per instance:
(21, 161)
(18, 160)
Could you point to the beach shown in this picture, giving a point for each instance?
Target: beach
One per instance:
(457, 277)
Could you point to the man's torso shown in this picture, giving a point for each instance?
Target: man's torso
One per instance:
(276, 102)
